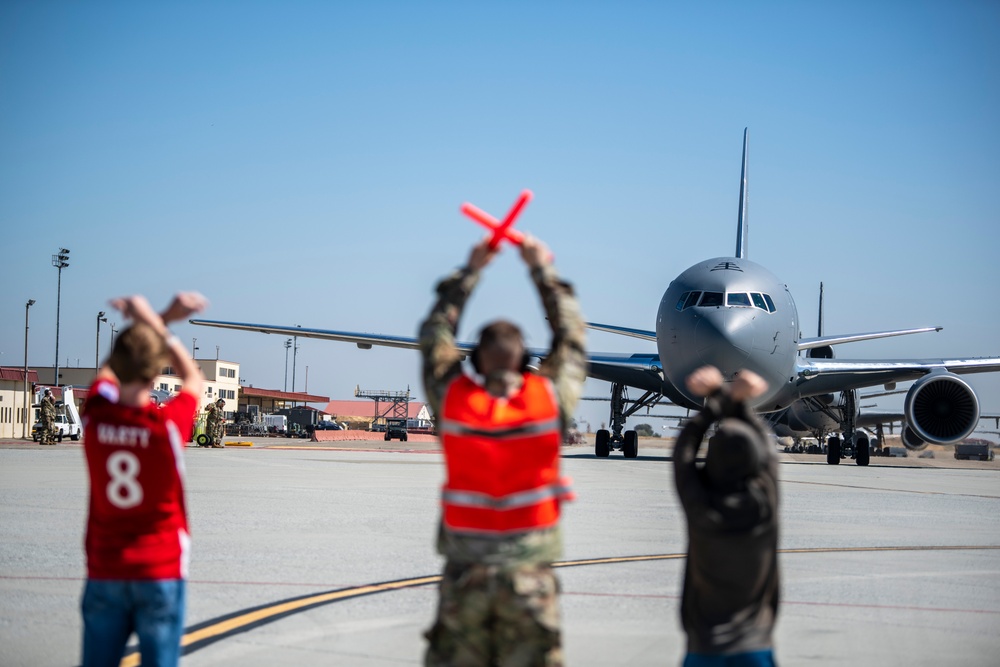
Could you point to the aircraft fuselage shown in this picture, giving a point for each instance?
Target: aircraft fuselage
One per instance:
(733, 314)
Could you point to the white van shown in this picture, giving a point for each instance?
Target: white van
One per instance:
(276, 423)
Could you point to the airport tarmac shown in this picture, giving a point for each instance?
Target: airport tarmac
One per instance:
(306, 554)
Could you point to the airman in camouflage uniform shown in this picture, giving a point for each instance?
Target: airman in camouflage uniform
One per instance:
(215, 423)
(48, 409)
(499, 596)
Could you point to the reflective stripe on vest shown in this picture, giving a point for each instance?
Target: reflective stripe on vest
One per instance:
(561, 490)
(499, 432)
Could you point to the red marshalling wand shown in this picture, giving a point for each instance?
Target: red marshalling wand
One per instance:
(501, 230)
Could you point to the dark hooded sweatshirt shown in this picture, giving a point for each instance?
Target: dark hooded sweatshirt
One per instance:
(730, 596)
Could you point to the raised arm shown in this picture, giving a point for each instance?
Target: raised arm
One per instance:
(183, 305)
(566, 363)
(442, 361)
(720, 402)
(705, 382)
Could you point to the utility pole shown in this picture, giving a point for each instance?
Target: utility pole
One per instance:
(97, 354)
(60, 261)
(24, 430)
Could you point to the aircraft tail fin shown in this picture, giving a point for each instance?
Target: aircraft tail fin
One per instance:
(819, 328)
(741, 227)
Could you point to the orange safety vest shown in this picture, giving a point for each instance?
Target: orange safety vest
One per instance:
(502, 457)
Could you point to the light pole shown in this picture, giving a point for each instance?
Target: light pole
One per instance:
(60, 261)
(114, 330)
(295, 352)
(97, 354)
(24, 430)
(288, 344)
(194, 347)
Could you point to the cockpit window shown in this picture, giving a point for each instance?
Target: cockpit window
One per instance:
(733, 299)
(711, 299)
(737, 299)
(687, 300)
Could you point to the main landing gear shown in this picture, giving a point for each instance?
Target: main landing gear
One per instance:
(621, 409)
(629, 444)
(855, 443)
(859, 450)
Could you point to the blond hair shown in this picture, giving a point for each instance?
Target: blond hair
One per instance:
(138, 355)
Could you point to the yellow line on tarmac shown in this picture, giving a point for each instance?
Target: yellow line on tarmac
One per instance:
(260, 614)
(242, 621)
(237, 622)
(618, 559)
(828, 550)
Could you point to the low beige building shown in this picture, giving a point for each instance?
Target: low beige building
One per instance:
(222, 380)
(16, 415)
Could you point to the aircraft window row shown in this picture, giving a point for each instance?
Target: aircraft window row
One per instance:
(736, 299)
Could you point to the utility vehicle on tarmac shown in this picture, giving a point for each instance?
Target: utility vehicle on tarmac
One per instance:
(395, 427)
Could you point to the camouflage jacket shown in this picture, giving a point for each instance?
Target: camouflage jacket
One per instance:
(565, 365)
(48, 408)
(214, 414)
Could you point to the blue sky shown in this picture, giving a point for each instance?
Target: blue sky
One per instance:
(304, 163)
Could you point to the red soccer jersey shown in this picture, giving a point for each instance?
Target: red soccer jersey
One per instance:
(137, 524)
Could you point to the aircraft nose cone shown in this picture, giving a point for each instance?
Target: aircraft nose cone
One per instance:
(724, 338)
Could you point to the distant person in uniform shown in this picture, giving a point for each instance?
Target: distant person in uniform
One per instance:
(137, 533)
(214, 424)
(48, 418)
(730, 599)
(501, 432)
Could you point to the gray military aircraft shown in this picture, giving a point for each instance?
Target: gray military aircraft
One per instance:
(734, 314)
(820, 416)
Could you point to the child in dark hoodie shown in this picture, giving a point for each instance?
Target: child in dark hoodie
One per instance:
(730, 598)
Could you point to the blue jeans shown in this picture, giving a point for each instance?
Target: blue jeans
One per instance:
(113, 609)
(753, 659)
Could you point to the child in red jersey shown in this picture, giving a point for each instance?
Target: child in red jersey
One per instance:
(137, 538)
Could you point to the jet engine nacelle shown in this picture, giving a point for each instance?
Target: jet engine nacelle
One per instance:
(912, 440)
(940, 408)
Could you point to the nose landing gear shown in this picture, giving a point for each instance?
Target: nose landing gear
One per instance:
(621, 409)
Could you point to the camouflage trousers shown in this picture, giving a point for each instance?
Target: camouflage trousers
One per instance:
(491, 617)
(48, 433)
(216, 431)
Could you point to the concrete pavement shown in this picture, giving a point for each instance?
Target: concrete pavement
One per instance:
(890, 565)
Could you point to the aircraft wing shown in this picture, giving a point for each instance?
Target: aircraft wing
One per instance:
(636, 370)
(623, 331)
(363, 340)
(829, 375)
(809, 343)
